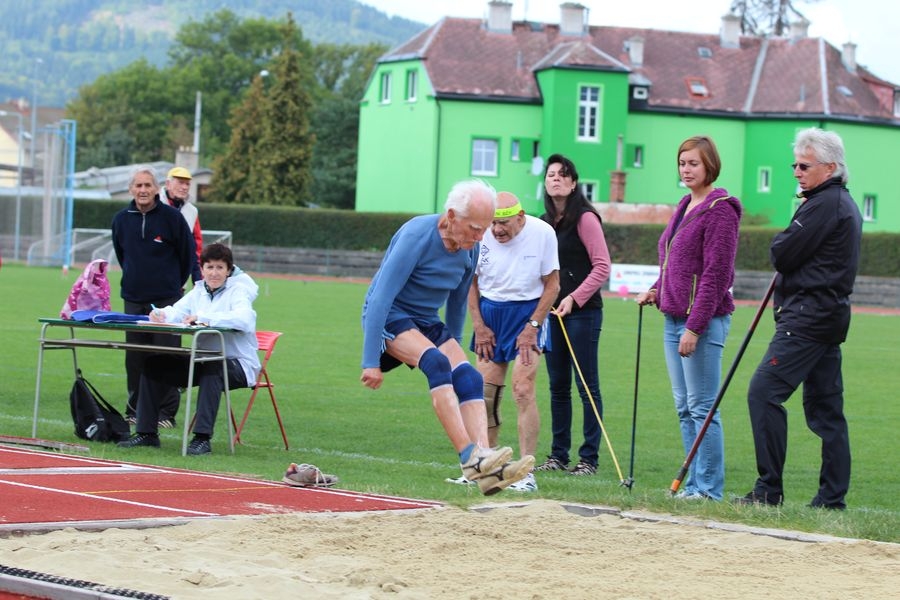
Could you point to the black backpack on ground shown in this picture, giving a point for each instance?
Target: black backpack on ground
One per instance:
(95, 418)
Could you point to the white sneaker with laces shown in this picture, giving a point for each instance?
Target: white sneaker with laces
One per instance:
(527, 484)
(461, 480)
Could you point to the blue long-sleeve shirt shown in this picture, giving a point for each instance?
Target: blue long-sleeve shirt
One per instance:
(417, 276)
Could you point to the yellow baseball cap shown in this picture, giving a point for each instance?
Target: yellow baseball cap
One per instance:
(179, 172)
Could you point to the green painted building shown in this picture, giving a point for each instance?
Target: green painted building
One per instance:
(493, 98)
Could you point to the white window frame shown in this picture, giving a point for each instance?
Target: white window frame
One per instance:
(485, 153)
(588, 120)
(412, 85)
(638, 161)
(386, 87)
(869, 207)
(764, 181)
(697, 87)
(515, 148)
(589, 189)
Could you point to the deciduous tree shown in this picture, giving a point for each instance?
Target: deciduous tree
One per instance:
(767, 17)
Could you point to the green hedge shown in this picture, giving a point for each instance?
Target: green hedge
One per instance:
(348, 230)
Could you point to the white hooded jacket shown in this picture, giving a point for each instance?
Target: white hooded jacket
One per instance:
(231, 307)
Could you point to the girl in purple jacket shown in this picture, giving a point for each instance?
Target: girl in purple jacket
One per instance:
(696, 261)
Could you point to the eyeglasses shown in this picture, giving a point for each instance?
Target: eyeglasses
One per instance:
(804, 166)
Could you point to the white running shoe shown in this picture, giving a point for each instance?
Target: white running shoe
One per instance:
(484, 461)
(526, 484)
(461, 480)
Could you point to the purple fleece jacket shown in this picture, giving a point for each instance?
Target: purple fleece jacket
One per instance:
(696, 258)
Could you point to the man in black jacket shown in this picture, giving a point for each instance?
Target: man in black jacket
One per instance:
(816, 258)
(155, 249)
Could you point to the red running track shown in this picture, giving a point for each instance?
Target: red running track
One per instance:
(48, 490)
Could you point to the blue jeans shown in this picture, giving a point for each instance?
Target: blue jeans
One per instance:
(695, 384)
(583, 328)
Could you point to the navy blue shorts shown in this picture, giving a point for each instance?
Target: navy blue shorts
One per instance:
(506, 320)
(437, 334)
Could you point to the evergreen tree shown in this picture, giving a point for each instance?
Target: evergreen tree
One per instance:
(342, 72)
(232, 179)
(282, 168)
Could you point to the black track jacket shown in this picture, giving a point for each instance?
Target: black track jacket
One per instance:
(817, 257)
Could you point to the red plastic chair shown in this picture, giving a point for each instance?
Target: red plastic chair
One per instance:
(266, 340)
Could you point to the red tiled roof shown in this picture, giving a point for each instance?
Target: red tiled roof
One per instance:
(463, 57)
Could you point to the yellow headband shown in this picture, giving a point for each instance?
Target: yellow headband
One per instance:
(505, 213)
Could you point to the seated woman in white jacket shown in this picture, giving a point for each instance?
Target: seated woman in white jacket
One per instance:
(224, 298)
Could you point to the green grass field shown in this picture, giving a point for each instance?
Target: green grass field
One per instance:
(389, 441)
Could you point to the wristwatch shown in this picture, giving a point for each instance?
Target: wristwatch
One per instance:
(534, 324)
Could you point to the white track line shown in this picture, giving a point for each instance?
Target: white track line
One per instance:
(107, 499)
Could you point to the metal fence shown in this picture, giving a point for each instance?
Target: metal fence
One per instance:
(37, 220)
(90, 244)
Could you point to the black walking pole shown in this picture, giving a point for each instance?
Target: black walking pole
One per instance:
(637, 368)
(712, 411)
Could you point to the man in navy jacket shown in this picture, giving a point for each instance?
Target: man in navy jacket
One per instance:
(156, 251)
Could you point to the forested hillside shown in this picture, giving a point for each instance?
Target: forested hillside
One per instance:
(55, 46)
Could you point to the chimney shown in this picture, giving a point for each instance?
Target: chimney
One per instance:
(848, 56)
(730, 35)
(799, 29)
(635, 47)
(499, 16)
(572, 18)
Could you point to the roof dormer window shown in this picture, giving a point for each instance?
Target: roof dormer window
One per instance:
(704, 52)
(697, 87)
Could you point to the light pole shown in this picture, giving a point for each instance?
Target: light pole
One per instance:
(4, 113)
(37, 61)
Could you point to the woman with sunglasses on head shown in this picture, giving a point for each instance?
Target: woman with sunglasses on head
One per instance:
(584, 267)
(696, 263)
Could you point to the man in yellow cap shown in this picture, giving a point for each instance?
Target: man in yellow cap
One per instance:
(176, 193)
(516, 282)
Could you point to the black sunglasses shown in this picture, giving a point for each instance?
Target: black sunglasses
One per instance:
(804, 166)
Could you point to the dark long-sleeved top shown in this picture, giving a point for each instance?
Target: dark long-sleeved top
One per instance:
(817, 257)
(155, 250)
(584, 264)
(696, 258)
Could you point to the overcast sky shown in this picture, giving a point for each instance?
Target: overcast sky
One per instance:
(874, 25)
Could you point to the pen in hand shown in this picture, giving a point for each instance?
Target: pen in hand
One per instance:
(155, 313)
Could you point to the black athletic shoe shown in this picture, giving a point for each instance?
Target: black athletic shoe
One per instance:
(760, 499)
(817, 502)
(140, 439)
(198, 447)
